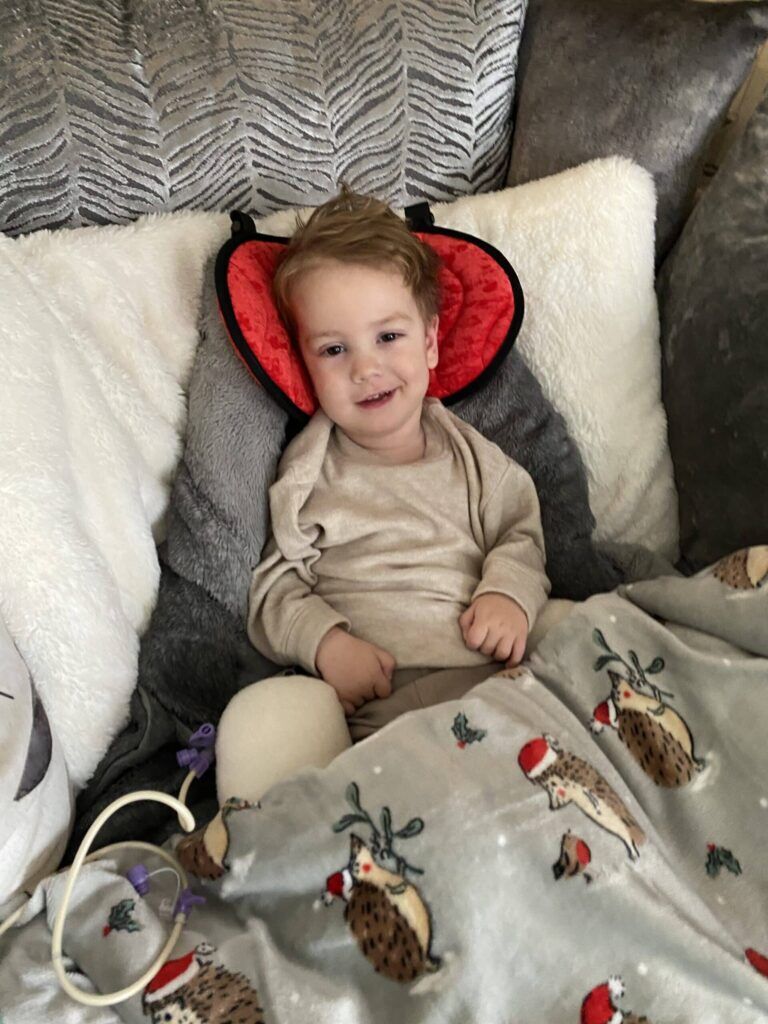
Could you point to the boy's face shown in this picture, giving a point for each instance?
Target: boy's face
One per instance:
(360, 333)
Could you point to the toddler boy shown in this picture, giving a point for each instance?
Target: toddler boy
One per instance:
(406, 558)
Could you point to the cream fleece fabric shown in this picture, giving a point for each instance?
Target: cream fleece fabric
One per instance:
(97, 339)
(394, 553)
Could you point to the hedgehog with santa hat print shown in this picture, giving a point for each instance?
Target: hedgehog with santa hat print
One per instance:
(192, 989)
(599, 1007)
(568, 779)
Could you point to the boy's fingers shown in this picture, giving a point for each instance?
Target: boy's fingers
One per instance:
(518, 649)
(504, 649)
(489, 644)
(349, 708)
(475, 636)
(382, 687)
(465, 619)
(387, 662)
(490, 641)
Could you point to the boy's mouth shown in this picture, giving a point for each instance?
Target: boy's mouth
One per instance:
(377, 399)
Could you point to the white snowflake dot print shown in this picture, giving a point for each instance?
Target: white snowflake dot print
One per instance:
(642, 969)
(377, 769)
(295, 997)
(764, 802)
(502, 840)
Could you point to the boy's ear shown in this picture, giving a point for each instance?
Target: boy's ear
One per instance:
(433, 355)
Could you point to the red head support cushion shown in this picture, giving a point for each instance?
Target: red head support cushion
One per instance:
(481, 310)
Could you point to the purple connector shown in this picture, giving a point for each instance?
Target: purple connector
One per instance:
(199, 755)
(186, 902)
(203, 737)
(198, 761)
(138, 876)
(184, 758)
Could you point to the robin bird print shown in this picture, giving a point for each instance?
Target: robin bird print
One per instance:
(575, 857)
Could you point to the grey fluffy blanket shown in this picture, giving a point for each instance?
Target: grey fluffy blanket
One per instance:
(578, 839)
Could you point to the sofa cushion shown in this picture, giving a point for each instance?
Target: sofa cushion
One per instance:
(120, 109)
(651, 80)
(713, 295)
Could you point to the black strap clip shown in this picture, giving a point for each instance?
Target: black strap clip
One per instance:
(243, 226)
(419, 217)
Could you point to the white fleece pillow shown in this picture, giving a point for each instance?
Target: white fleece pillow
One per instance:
(582, 244)
(98, 329)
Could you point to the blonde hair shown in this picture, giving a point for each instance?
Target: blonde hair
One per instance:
(354, 228)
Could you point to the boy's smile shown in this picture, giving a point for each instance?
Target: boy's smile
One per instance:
(368, 351)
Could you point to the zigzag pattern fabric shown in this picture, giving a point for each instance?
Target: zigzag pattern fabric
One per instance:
(115, 108)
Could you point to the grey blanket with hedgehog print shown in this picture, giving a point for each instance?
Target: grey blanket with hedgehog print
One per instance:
(581, 839)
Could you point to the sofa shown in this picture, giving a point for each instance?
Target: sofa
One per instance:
(118, 113)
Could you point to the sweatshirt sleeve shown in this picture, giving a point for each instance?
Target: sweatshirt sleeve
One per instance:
(514, 542)
(286, 621)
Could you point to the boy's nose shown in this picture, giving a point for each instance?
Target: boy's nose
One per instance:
(365, 367)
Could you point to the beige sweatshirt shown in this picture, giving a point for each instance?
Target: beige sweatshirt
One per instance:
(394, 553)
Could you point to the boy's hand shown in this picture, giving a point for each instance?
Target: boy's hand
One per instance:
(357, 670)
(497, 626)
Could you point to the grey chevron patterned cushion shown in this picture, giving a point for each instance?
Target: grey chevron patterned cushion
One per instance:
(114, 108)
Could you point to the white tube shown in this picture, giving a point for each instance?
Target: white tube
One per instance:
(187, 821)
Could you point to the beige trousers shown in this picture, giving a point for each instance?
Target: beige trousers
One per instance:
(273, 728)
(414, 688)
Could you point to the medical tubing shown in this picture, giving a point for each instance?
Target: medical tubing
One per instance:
(187, 821)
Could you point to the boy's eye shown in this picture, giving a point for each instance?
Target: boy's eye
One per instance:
(389, 336)
(332, 350)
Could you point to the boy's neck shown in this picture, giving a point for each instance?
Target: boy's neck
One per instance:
(408, 445)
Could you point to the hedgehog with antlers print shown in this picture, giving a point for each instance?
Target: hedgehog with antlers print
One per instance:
(385, 913)
(203, 853)
(744, 570)
(568, 779)
(656, 736)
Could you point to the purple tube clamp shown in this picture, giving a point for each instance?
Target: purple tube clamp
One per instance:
(199, 755)
(203, 737)
(186, 902)
(138, 876)
(198, 761)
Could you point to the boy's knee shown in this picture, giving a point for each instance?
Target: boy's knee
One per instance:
(274, 728)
